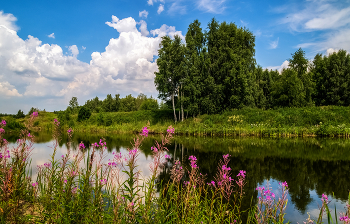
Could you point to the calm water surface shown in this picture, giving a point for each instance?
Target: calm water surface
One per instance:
(311, 166)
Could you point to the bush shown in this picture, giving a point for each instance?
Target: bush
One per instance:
(84, 114)
(20, 114)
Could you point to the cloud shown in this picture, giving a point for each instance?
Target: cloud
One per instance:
(82, 47)
(8, 90)
(74, 50)
(150, 2)
(274, 44)
(143, 14)
(258, 33)
(211, 6)
(331, 19)
(160, 9)
(177, 8)
(41, 75)
(8, 20)
(279, 68)
(244, 23)
(167, 30)
(52, 35)
(143, 28)
(331, 51)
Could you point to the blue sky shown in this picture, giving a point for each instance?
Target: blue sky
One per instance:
(53, 50)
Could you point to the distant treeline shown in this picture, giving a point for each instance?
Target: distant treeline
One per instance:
(215, 70)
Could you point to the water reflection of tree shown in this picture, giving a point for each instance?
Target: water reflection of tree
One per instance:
(302, 175)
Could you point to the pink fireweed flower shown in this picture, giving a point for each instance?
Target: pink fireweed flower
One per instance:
(224, 176)
(29, 135)
(171, 130)
(324, 198)
(2, 131)
(65, 181)
(226, 156)
(154, 149)
(167, 156)
(144, 132)
(284, 184)
(103, 181)
(133, 152)
(47, 165)
(35, 114)
(345, 218)
(225, 168)
(81, 146)
(3, 123)
(35, 184)
(69, 130)
(193, 162)
(241, 173)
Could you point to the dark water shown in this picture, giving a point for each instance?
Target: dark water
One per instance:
(311, 166)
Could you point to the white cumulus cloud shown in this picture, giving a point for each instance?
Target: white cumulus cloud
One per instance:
(143, 14)
(279, 68)
(74, 50)
(52, 35)
(160, 9)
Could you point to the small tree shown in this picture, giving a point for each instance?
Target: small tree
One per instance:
(73, 104)
(84, 113)
(20, 114)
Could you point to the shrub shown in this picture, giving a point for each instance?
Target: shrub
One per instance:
(84, 114)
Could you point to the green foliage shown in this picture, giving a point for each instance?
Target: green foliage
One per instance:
(32, 110)
(84, 113)
(149, 104)
(20, 114)
(73, 104)
(128, 104)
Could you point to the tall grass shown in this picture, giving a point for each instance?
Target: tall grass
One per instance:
(85, 187)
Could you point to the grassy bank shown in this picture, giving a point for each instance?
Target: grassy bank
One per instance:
(308, 121)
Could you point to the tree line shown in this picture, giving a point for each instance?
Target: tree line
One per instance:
(215, 70)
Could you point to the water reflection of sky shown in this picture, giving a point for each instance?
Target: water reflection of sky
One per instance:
(294, 215)
(306, 164)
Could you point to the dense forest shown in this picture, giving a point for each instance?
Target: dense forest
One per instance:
(215, 71)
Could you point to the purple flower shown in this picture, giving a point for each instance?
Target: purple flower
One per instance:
(284, 184)
(144, 132)
(35, 114)
(103, 181)
(3, 122)
(241, 173)
(324, 198)
(170, 130)
(154, 149)
(69, 130)
(193, 162)
(81, 146)
(133, 152)
(35, 184)
(167, 156)
(2, 131)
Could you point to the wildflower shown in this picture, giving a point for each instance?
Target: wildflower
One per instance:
(65, 181)
(324, 198)
(225, 168)
(345, 218)
(2, 131)
(103, 181)
(133, 152)
(225, 156)
(170, 130)
(29, 135)
(3, 122)
(284, 184)
(47, 165)
(35, 184)
(69, 130)
(144, 132)
(81, 146)
(241, 173)
(193, 160)
(167, 156)
(74, 190)
(154, 149)
(35, 114)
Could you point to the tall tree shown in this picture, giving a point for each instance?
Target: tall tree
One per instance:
(170, 68)
(73, 104)
(299, 63)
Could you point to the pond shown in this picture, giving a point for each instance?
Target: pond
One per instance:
(311, 166)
